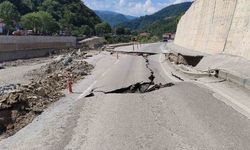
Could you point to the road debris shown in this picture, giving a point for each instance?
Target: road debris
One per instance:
(19, 105)
(8, 88)
(177, 77)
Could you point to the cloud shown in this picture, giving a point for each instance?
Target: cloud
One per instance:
(141, 8)
(148, 7)
(122, 3)
(180, 1)
(131, 7)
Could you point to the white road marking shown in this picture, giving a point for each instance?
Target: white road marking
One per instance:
(104, 73)
(165, 71)
(87, 90)
(92, 85)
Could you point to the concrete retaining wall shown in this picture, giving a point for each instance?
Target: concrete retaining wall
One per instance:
(23, 47)
(216, 26)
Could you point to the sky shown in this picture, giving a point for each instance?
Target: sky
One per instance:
(131, 7)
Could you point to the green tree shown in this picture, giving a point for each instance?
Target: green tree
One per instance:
(103, 28)
(71, 15)
(48, 23)
(31, 21)
(32, 5)
(40, 22)
(120, 31)
(53, 7)
(86, 30)
(82, 31)
(127, 31)
(8, 13)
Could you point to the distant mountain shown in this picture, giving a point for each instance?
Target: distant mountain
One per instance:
(165, 20)
(113, 18)
(130, 17)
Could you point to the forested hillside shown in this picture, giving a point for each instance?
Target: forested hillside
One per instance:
(70, 16)
(165, 20)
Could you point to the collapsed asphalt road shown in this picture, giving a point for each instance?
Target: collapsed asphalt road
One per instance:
(140, 86)
(135, 105)
(174, 116)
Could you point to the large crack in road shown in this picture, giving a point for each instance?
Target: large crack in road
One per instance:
(140, 87)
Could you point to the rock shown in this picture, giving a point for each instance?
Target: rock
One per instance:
(80, 73)
(67, 60)
(59, 58)
(37, 110)
(173, 58)
(4, 98)
(13, 98)
(41, 92)
(88, 56)
(182, 60)
(79, 52)
(7, 88)
(60, 75)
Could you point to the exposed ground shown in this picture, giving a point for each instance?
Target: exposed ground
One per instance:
(30, 86)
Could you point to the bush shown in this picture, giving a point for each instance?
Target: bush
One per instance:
(118, 39)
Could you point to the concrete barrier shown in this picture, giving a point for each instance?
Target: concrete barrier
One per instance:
(239, 80)
(24, 47)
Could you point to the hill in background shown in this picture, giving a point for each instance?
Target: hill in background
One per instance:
(165, 20)
(113, 18)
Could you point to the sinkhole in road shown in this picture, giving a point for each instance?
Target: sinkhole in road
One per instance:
(140, 87)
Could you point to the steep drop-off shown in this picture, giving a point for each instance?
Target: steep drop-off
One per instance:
(216, 26)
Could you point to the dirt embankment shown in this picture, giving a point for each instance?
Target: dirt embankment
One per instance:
(20, 105)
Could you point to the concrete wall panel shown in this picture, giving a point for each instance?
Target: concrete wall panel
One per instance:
(9, 43)
(24, 47)
(216, 26)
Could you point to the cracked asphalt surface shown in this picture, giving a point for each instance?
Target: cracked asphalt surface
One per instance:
(183, 116)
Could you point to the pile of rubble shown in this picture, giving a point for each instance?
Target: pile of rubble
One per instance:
(19, 107)
(8, 88)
